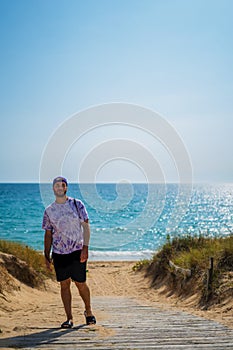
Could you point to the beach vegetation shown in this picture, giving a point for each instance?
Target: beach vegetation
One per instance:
(24, 263)
(194, 252)
(139, 265)
(183, 266)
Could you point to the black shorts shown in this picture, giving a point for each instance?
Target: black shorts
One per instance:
(69, 266)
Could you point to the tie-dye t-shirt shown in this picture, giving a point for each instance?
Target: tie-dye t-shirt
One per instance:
(64, 220)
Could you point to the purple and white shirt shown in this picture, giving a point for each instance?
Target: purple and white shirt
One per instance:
(65, 223)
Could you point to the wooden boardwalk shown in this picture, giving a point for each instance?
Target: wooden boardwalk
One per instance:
(126, 324)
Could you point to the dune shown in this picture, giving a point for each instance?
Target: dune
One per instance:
(23, 306)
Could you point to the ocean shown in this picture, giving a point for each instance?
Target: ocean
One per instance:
(128, 222)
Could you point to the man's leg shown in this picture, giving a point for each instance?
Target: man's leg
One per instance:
(84, 292)
(66, 298)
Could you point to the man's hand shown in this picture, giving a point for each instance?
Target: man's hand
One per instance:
(84, 254)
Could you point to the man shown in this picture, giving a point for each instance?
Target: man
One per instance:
(67, 232)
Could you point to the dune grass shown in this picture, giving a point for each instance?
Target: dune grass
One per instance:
(193, 253)
(33, 258)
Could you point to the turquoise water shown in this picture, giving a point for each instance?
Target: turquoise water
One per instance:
(125, 224)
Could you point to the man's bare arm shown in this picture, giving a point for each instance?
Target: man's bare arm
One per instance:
(47, 245)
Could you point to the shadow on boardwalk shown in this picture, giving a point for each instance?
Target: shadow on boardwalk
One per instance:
(130, 325)
(44, 336)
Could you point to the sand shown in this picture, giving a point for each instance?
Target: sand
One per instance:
(43, 308)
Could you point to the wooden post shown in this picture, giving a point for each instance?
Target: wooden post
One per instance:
(209, 279)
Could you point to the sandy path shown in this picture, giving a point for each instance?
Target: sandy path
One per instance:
(118, 278)
(39, 308)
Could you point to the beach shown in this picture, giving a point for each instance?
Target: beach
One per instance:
(30, 307)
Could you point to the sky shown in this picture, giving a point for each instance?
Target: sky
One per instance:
(60, 57)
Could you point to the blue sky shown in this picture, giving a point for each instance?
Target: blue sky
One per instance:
(60, 57)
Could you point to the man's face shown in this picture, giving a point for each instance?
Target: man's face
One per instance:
(60, 189)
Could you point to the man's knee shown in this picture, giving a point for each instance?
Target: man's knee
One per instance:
(65, 284)
(81, 285)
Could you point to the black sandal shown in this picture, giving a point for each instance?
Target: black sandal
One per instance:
(90, 319)
(67, 324)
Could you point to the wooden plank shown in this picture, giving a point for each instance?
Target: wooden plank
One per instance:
(129, 325)
(178, 269)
